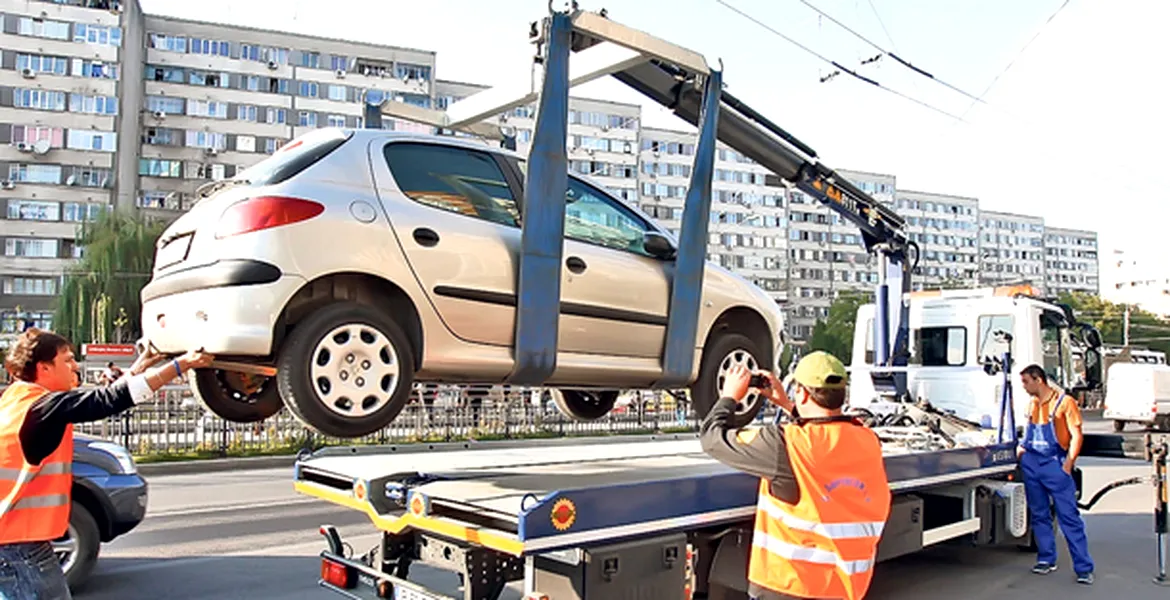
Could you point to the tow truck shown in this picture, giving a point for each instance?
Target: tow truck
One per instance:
(652, 517)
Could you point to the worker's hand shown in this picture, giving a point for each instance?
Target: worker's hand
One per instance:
(195, 359)
(149, 357)
(735, 383)
(1068, 466)
(775, 393)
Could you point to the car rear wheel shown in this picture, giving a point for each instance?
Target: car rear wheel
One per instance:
(78, 549)
(346, 370)
(584, 405)
(236, 397)
(726, 351)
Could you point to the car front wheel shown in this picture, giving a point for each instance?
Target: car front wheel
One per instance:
(236, 397)
(78, 549)
(726, 351)
(346, 370)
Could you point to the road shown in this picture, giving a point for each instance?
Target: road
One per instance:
(248, 535)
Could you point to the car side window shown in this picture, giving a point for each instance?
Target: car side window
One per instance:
(453, 179)
(593, 217)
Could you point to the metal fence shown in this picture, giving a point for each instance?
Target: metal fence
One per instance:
(177, 424)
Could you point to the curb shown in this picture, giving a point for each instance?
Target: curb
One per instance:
(215, 465)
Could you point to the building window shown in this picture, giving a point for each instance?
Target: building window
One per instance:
(94, 105)
(89, 177)
(31, 210)
(30, 286)
(207, 108)
(335, 121)
(339, 63)
(155, 167)
(247, 113)
(97, 34)
(311, 60)
(409, 71)
(275, 116)
(171, 43)
(161, 136)
(308, 89)
(43, 28)
(35, 173)
(307, 119)
(94, 69)
(165, 104)
(264, 54)
(31, 134)
(52, 65)
(337, 92)
(31, 248)
(78, 212)
(167, 74)
(210, 47)
(207, 79)
(245, 143)
(102, 141)
(206, 139)
(15, 322)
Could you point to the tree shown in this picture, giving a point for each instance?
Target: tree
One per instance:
(1146, 330)
(834, 334)
(99, 300)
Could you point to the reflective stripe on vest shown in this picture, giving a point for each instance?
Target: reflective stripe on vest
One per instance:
(34, 499)
(824, 545)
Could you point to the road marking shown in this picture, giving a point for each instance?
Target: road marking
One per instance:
(183, 512)
(310, 550)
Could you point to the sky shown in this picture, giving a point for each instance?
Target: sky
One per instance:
(1072, 124)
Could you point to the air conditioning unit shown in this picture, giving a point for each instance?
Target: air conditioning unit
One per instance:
(8, 185)
(340, 73)
(211, 151)
(272, 64)
(28, 73)
(24, 146)
(158, 114)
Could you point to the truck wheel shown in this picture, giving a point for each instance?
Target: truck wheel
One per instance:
(236, 397)
(1118, 426)
(346, 370)
(78, 549)
(727, 350)
(584, 405)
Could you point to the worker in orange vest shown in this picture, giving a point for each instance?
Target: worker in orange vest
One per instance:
(824, 497)
(37, 412)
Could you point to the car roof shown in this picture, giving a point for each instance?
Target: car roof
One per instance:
(366, 135)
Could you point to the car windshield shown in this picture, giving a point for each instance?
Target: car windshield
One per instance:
(294, 157)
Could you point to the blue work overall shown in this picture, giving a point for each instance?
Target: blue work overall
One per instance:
(1044, 477)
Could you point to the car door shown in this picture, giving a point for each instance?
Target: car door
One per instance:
(614, 294)
(457, 220)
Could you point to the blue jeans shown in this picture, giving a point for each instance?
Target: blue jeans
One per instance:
(31, 571)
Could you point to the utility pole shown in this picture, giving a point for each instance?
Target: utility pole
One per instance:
(1125, 331)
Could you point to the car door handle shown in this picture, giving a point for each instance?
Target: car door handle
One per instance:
(575, 265)
(426, 237)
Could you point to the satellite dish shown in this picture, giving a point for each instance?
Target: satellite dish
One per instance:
(42, 146)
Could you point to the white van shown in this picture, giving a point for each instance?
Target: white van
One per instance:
(1138, 393)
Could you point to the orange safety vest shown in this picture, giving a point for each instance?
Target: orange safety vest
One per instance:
(34, 499)
(824, 545)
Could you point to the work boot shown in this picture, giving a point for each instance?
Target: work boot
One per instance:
(1043, 568)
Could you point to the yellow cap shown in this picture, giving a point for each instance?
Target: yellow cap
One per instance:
(820, 370)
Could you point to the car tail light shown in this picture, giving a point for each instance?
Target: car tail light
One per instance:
(265, 212)
(337, 574)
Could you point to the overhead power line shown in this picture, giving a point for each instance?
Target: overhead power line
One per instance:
(883, 24)
(892, 55)
(838, 65)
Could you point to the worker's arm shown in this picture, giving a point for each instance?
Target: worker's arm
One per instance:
(45, 423)
(1076, 437)
(757, 451)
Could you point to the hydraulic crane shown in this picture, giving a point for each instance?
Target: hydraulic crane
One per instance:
(682, 81)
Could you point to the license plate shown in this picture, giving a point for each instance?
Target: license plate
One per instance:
(402, 591)
(174, 252)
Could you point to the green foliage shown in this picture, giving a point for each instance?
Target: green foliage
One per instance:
(99, 300)
(1144, 327)
(834, 334)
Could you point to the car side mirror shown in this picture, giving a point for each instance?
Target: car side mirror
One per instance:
(658, 245)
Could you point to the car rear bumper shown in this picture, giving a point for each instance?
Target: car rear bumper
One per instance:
(127, 496)
(223, 314)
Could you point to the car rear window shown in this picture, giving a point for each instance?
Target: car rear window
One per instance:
(296, 156)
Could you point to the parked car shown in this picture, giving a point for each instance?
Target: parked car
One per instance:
(356, 262)
(109, 500)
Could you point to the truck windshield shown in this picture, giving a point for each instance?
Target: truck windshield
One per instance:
(1056, 342)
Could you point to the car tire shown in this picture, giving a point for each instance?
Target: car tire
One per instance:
(221, 394)
(1118, 426)
(83, 532)
(726, 349)
(308, 368)
(584, 405)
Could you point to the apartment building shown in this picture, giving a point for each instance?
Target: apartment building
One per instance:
(946, 229)
(217, 99)
(1011, 249)
(1071, 261)
(60, 76)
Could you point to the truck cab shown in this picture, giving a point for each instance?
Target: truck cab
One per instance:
(954, 348)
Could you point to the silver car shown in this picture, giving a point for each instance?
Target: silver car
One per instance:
(356, 262)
